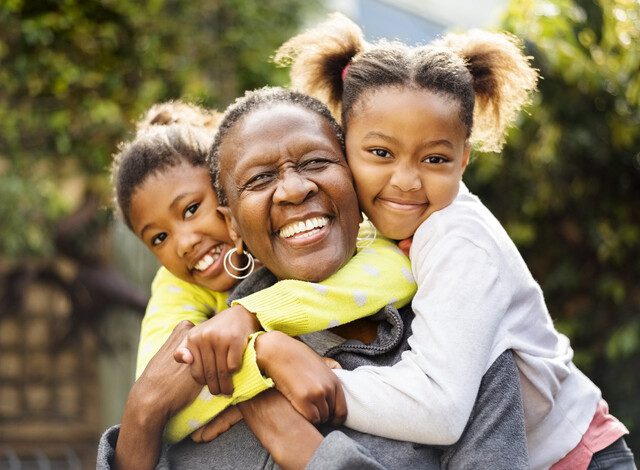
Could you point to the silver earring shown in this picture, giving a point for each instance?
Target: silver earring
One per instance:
(368, 232)
(250, 264)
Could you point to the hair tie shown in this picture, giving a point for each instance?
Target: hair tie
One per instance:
(344, 71)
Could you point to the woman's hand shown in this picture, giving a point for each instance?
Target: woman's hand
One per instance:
(288, 436)
(218, 425)
(215, 347)
(303, 377)
(162, 390)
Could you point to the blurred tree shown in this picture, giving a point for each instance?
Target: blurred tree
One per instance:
(567, 187)
(75, 75)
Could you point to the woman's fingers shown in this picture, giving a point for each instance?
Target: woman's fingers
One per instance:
(183, 355)
(224, 377)
(331, 363)
(234, 355)
(339, 406)
(220, 424)
(210, 370)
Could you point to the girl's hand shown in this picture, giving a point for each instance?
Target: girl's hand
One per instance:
(215, 348)
(303, 377)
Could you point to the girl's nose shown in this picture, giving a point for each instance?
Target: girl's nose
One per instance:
(406, 179)
(187, 241)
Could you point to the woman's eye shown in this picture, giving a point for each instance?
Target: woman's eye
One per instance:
(191, 210)
(258, 181)
(155, 241)
(314, 164)
(381, 153)
(435, 159)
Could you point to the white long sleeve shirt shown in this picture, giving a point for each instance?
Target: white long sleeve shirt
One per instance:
(476, 298)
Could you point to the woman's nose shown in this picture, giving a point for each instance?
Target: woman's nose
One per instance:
(293, 188)
(406, 179)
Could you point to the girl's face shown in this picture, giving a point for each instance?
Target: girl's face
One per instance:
(175, 214)
(407, 151)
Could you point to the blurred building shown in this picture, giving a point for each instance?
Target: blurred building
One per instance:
(418, 21)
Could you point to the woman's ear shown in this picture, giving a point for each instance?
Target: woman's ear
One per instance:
(232, 228)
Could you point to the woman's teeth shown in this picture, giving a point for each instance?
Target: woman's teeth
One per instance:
(207, 260)
(295, 228)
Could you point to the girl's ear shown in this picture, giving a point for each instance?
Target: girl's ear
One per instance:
(232, 228)
(465, 156)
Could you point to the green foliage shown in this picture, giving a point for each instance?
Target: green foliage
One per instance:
(75, 74)
(567, 186)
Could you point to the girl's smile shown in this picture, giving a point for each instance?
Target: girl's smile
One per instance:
(174, 212)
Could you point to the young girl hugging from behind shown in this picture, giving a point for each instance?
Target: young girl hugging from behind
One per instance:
(411, 116)
(164, 193)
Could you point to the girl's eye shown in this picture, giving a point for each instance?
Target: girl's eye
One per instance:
(155, 241)
(191, 210)
(381, 153)
(435, 159)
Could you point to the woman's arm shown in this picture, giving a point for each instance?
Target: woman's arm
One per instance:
(163, 388)
(295, 444)
(285, 434)
(172, 301)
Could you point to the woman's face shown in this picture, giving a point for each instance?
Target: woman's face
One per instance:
(290, 192)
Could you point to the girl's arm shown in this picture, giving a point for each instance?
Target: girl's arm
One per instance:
(376, 276)
(428, 396)
(172, 301)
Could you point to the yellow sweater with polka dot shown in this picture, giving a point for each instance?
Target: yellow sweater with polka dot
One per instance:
(378, 275)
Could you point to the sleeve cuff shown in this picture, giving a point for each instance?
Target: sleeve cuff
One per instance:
(249, 381)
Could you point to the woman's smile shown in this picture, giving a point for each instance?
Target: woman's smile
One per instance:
(290, 192)
(305, 231)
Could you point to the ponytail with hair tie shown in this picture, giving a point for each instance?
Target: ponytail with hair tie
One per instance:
(320, 57)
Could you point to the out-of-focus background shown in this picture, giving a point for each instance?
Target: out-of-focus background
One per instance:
(75, 75)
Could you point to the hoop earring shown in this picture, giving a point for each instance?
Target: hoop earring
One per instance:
(369, 232)
(227, 259)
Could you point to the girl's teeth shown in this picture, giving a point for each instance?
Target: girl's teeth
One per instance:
(207, 260)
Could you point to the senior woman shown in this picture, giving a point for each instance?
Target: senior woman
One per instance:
(279, 158)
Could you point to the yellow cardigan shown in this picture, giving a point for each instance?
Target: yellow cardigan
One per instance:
(378, 275)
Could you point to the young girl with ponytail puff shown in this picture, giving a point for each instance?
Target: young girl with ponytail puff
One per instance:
(411, 116)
